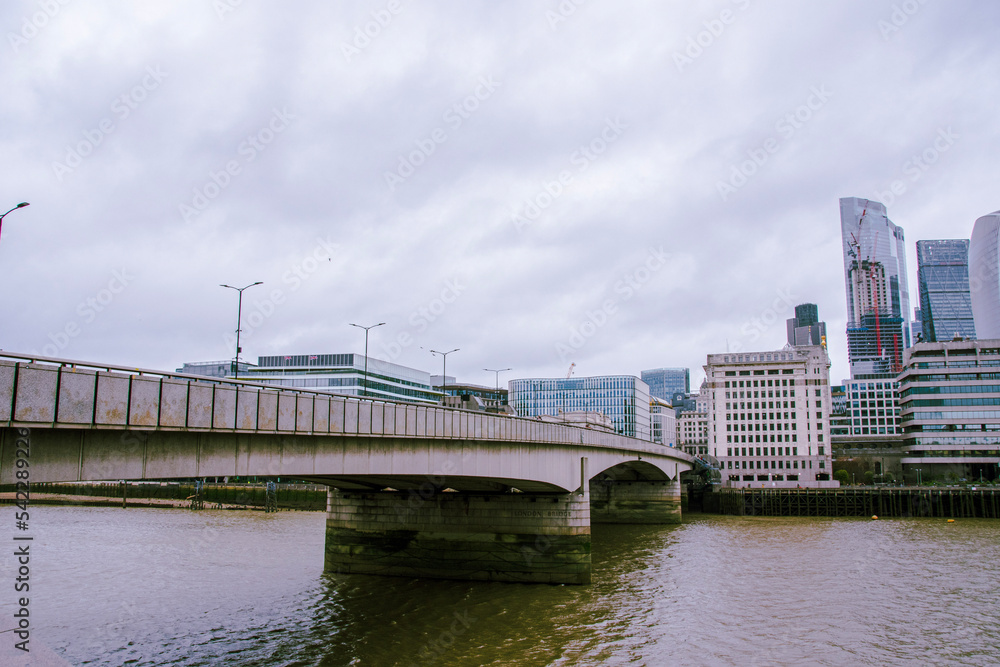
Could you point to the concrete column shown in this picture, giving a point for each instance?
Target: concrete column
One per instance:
(614, 501)
(474, 536)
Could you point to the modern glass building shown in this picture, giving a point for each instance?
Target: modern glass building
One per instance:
(950, 404)
(872, 407)
(984, 275)
(805, 328)
(622, 398)
(665, 382)
(878, 297)
(945, 300)
(345, 374)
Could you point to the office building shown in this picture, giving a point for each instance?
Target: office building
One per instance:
(984, 275)
(345, 374)
(665, 382)
(622, 398)
(215, 369)
(878, 299)
(769, 417)
(471, 396)
(805, 328)
(872, 408)
(950, 404)
(662, 422)
(692, 432)
(945, 300)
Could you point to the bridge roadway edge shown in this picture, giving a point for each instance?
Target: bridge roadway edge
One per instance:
(97, 423)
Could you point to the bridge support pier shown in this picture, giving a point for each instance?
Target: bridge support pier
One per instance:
(521, 537)
(635, 501)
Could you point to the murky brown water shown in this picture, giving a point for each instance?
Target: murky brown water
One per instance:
(173, 587)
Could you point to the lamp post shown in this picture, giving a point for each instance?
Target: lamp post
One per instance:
(918, 476)
(364, 389)
(444, 368)
(498, 372)
(21, 205)
(239, 318)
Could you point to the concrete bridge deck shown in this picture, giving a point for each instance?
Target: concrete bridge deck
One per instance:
(390, 462)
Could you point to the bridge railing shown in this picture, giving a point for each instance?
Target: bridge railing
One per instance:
(62, 393)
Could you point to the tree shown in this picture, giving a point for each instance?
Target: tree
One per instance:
(842, 476)
(869, 477)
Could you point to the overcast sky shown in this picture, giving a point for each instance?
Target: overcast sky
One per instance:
(622, 185)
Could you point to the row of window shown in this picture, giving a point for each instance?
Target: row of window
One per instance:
(762, 451)
(953, 377)
(872, 430)
(764, 478)
(960, 389)
(953, 453)
(770, 383)
(770, 465)
(760, 394)
(951, 402)
(951, 415)
(957, 363)
(757, 438)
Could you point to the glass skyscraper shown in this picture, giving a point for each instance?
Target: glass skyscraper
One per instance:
(984, 275)
(878, 297)
(665, 382)
(945, 301)
(805, 328)
(622, 398)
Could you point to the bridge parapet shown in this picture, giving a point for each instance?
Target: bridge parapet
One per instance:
(44, 392)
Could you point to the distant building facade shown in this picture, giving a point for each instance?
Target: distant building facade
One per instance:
(215, 369)
(805, 328)
(345, 374)
(692, 432)
(622, 398)
(662, 422)
(665, 382)
(945, 299)
(984, 274)
(950, 405)
(471, 396)
(769, 417)
(878, 299)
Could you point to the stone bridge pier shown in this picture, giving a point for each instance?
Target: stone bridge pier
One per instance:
(510, 536)
(523, 537)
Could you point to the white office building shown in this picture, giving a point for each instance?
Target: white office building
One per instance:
(769, 417)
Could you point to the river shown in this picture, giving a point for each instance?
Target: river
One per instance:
(175, 587)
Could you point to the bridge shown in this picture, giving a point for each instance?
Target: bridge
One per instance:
(415, 490)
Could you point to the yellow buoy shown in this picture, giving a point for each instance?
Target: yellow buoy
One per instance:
(951, 521)
(874, 517)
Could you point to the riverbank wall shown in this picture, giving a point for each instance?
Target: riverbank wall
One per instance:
(882, 502)
(169, 494)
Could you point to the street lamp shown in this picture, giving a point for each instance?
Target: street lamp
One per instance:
(444, 368)
(918, 475)
(365, 387)
(21, 205)
(239, 316)
(498, 372)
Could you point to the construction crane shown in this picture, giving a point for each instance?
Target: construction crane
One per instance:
(569, 373)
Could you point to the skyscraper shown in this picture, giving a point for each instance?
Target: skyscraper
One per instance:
(665, 382)
(805, 328)
(878, 297)
(945, 301)
(984, 275)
